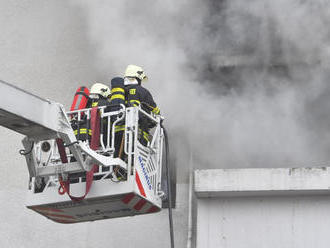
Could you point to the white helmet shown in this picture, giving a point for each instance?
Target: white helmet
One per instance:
(134, 71)
(100, 89)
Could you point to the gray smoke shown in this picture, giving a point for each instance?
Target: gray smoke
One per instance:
(241, 84)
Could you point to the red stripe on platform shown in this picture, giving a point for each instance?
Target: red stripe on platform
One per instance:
(128, 198)
(64, 221)
(140, 204)
(138, 181)
(61, 216)
(153, 209)
(47, 209)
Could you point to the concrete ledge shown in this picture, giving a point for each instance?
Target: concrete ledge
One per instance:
(262, 182)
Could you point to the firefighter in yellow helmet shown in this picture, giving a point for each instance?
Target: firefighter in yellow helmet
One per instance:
(136, 95)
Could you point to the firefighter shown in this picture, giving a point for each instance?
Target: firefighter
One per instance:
(80, 101)
(98, 95)
(138, 95)
(117, 98)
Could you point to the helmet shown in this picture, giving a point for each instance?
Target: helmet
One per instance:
(135, 71)
(100, 89)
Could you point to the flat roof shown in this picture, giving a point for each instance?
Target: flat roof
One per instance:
(261, 182)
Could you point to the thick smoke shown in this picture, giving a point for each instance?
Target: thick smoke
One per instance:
(241, 84)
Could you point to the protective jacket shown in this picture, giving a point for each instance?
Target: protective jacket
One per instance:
(98, 102)
(138, 95)
(117, 98)
(82, 128)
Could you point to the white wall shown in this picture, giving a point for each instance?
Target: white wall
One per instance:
(243, 208)
(258, 222)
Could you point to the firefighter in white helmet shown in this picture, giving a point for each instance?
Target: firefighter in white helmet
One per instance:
(136, 95)
(98, 95)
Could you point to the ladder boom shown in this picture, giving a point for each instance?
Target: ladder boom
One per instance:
(27, 113)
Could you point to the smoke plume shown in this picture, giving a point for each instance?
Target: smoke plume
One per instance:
(241, 84)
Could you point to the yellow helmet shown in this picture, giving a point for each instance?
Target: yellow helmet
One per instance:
(100, 89)
(134, 71)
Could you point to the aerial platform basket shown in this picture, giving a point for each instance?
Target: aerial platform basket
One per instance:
(105, 200)
(72, 180)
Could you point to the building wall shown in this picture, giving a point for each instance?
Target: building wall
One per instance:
(264, 222)
(282, 207)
